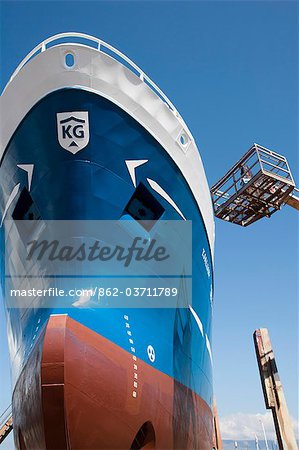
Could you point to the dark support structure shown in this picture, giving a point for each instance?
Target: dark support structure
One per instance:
(293, 199)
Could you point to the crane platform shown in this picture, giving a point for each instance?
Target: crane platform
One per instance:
(255, 187)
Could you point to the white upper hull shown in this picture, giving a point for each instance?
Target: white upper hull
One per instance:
(95, 71)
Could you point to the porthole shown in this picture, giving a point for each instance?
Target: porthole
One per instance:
(69, 60)
(183, 139)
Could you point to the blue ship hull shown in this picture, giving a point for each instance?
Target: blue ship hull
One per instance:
(94, 184)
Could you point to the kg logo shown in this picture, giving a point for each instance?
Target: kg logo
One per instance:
(73, 130)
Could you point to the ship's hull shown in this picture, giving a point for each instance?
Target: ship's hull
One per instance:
(83, 377)
(85, 390)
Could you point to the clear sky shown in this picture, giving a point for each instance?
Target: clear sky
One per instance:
(231, 70)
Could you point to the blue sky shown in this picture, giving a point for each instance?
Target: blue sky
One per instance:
(231, 70)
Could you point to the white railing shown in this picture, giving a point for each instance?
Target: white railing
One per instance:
(100, 46)
(295, 192)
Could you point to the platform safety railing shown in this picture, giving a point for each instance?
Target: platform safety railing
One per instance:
(256, 186)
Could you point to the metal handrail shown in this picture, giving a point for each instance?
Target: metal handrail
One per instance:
(256, 148)
(235, 182)
(233, 169)
(43, 46)
(275, 166)
(270, 152)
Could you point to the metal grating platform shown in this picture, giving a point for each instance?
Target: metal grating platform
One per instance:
(255, 187)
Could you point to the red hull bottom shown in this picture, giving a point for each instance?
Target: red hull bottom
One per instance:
(79, 391)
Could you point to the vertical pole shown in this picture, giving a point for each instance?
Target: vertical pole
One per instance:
(273, 391)
(265, 437)
(256, 443)
(217, 441)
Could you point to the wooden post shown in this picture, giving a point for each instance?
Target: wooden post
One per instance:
(5, 429)
(273, 391)
(217, 441)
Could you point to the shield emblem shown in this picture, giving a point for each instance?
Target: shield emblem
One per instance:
(73, 130)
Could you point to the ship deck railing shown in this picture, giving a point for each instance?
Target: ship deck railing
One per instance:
(104, 47)
(255, 187)
(6, 424)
